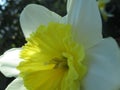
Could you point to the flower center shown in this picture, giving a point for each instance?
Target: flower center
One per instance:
(60, 62)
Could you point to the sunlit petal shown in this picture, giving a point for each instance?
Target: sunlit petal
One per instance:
(8, 62)
(35, 15)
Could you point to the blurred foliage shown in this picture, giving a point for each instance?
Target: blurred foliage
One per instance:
(111, 27)
(11, 34)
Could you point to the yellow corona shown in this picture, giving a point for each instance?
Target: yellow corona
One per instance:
(52, 60)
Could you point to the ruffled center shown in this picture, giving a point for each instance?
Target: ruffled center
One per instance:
(52, 60)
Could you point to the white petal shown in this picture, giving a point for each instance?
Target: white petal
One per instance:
(17, 84)
(69, 3)
(85, 17)
(35, 15)
(104, 69)
(8, 62)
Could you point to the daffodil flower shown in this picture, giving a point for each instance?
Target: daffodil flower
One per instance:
(63, 53)
(102, 5)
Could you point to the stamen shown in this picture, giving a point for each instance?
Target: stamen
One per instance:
(60, 62)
